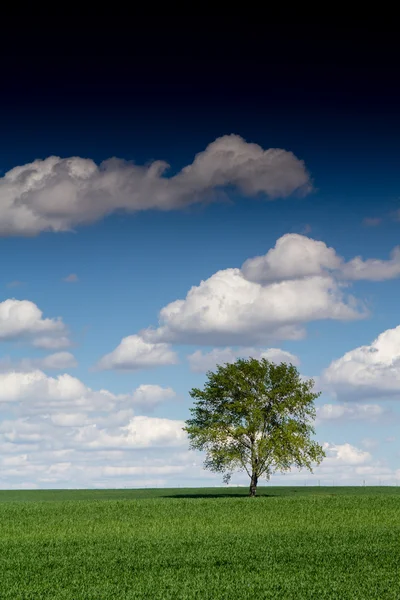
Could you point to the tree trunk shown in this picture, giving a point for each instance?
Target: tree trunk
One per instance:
(253, 484)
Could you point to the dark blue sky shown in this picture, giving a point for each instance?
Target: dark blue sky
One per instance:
(329, 94)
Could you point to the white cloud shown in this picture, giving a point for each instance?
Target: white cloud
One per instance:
(370, 443)
(345, 464)
(72, 278)
(271, 297)
(340, 466)
(22, 319)
(82, 438)
(367, 371)
(373, 269)
(35, 385)
(56, 430)
(57, 194)
(229, 309)
(115, 471)
(108, 467)
(345, 454)
(151, 431)
(201, 362)
(51, 343)
(111, 418)
(38, 392)
(56, 361)
(140, 432)
(294, 256)
(380, 473)
(333, 412)
(70, 419)
(134, 352)
(150, 396)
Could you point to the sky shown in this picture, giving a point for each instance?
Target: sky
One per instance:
(175, 206)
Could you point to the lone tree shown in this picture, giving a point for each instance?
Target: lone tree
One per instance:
(254, 416)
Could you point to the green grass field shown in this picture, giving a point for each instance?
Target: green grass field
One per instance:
(300, 543)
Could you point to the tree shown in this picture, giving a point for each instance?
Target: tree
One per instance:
(254, 416)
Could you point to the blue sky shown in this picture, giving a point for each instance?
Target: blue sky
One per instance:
(97, 397)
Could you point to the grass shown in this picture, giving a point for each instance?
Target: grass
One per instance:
(303, 543)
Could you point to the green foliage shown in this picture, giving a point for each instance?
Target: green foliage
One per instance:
(296, 544)
(254, 416)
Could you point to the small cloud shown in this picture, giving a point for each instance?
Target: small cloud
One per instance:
(371, 221)
(369, 443)
(23, 320)
(345, 412)
(72, 278)
(135, 353)
(150, 396)
(52, 343)
(14, 284)
(57, 361)
(369, 371)
(202, 362)
(306, 229)
(345, 454)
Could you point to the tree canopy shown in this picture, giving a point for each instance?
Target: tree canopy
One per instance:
(254, 416)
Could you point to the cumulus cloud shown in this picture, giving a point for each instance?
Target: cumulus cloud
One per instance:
(367, 371)
(140, 432)
(229, 309)
(293, 256)
(57, 430)
(134, 353)
(346, 454)
(345, 464)
(56, 194)
(149, 396)
(98, 467)
(296, 256)
(56, 361)
(40, 392)
(37, 387)
(47, 342)
(373, 269)
(271, 297)
(22, 319)
(201, 362)
(72, 278)
(336, 412)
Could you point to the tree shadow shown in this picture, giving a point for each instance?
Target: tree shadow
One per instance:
(234, 495)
